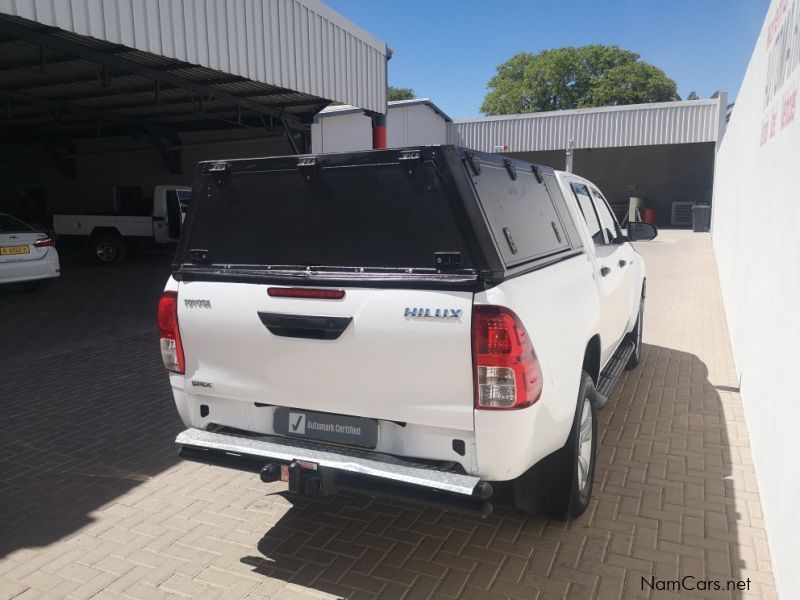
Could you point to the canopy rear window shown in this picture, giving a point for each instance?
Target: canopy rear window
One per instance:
(362, 216)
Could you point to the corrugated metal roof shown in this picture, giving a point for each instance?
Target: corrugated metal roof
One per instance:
(420, 102)
(606, 127)
(302, 45)
(44, 88)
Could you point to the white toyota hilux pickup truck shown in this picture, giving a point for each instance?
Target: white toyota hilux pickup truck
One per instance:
(418, 323)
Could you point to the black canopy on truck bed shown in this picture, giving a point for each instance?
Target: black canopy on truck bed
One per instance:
(435, 215)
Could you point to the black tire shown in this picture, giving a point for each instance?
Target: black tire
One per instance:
(636, 337)
(108, 249)
(560, 485)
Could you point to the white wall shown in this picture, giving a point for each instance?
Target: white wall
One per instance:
(756, 212)
(415, 125)
(341, 133)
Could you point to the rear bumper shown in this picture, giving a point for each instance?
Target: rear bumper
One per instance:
(46, 267)
(346, 468)
(203, 409)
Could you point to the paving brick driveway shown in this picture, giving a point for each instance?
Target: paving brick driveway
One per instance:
(95, 503)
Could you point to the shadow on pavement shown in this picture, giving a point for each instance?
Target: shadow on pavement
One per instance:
(87, 412)
(664, 509)
(88, 304)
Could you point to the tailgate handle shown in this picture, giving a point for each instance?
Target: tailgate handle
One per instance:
(311, 327)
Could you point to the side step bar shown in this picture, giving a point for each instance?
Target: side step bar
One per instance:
(612, 372)
(321, 469)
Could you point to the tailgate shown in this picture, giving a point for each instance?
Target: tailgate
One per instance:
(394, 358)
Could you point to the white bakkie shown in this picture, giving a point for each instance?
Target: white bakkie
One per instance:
(109, 236)
(418, 323)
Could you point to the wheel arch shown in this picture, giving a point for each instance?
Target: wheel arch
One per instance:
(591, 358)
(98, 231)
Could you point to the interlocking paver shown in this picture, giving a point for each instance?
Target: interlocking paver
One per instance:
(96, 501)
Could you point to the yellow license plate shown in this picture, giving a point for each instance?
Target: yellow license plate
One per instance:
(7, 250)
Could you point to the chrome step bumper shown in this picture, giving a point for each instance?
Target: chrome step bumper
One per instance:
(347, 460)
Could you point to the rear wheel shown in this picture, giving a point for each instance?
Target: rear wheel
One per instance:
(108, 249)
(560, 485)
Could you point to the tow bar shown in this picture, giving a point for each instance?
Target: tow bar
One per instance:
(309, 479)
(313, 469)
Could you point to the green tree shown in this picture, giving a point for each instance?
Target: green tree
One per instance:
(692, 96)
(398, 93)
(571, 77)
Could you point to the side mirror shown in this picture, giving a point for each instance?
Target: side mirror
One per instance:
(641, 231)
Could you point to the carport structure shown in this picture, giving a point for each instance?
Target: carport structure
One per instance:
(158, 71)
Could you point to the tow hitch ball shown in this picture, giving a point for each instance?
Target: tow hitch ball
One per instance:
(270, 472)
(302, 477)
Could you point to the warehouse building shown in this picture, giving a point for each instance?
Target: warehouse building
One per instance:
(662, 153)
(100, 102)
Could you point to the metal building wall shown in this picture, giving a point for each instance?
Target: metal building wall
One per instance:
(346, 132)
(301, 45)
(608, 127)
(415, 124)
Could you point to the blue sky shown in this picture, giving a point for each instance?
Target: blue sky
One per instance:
(448, 50)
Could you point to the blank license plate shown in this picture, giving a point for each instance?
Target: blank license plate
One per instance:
(326, 427)
(8, 250)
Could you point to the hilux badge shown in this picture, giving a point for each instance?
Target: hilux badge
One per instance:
(433, 313)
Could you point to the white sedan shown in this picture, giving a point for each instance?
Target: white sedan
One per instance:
(27, 256)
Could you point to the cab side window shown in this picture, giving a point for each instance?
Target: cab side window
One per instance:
(607, 220)
(587, 210)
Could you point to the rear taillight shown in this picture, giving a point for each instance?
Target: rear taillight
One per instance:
(44, 243)
(324, 294)
(507, 372)
(171, 347)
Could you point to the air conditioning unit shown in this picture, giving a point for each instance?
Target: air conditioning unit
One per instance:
(682, 214)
